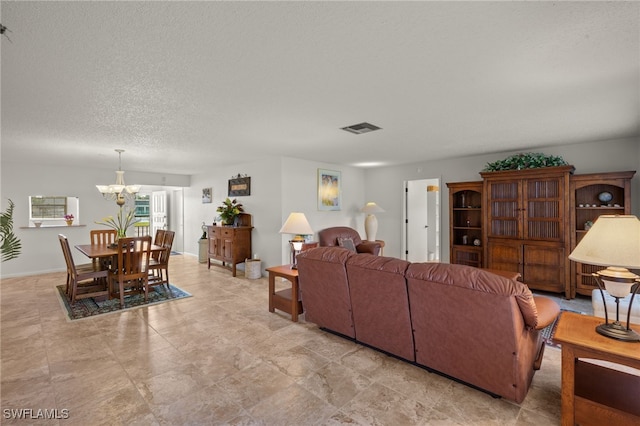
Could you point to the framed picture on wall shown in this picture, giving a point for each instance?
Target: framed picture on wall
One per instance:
(329, 192)
(207, 195)
(239, 186)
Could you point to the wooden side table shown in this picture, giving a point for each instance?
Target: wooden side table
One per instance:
(593, 394)
(287, 300)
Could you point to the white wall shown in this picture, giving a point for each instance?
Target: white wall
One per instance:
(263, 204)
(279, 186)
(40, 247)
(385, 185)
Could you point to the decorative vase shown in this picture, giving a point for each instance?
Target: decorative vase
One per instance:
(605, 197)
(69, 222)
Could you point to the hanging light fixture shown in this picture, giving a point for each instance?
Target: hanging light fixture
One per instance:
(118, 191)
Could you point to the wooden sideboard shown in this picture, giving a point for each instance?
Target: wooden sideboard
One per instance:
(229, 244)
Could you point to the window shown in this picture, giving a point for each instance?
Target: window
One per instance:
(52, 208)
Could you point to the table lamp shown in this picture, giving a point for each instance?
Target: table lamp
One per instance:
(613, 241)
(370, 222)
(297, 225)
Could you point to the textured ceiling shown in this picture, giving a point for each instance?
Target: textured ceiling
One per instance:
(183, 86)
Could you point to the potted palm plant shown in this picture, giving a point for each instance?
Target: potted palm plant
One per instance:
(229, 210)
(9, 243)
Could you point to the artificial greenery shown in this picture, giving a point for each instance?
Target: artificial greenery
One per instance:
(527, 160)
(229, 210)
(121, 223)
(11, 245)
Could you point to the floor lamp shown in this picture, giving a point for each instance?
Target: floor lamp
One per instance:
(297, 225)
(613, 241)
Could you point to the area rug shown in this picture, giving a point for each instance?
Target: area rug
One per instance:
(549, 331)
(84, 308)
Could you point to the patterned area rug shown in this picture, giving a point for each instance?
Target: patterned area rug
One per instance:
(84, 308)
(550, 330)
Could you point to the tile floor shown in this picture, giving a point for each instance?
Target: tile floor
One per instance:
(221, 358)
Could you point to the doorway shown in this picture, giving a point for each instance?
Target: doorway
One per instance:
(421, 236)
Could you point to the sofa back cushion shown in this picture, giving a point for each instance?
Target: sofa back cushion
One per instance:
(380, 303)
(464, 316)
(324, 289)
(329, 237)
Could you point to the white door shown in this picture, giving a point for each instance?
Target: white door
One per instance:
(158, 211)
(422, 220)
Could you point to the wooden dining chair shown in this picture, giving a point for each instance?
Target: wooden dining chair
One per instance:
(85, 280)
(130, 273)
(103, 237)
(159, 268)
(157, 241)
(159, 237)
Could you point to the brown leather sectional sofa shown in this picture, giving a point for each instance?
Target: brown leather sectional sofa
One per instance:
(472, 325)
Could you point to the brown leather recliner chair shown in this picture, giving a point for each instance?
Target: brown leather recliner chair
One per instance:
(330, 237)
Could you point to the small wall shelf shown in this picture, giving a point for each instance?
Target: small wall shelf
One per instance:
(53, 226)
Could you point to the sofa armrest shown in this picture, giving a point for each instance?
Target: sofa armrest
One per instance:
(548, 311)
(370, 247)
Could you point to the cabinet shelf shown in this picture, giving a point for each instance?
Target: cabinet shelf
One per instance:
(601, 208)
(585, 190)
(465, 219)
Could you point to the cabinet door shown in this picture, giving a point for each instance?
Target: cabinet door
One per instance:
(467, 256)
(504, 256)
(544, 210)
(227, 249)
(544, 267)
(504, 209)
(214, 241)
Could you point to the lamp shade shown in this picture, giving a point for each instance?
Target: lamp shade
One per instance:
(371, 208)
(296, 224)
(613, 240)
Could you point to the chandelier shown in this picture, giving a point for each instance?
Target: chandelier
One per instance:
(118, 191)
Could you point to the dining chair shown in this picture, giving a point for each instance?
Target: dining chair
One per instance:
(85, 280)
(130, 274)
(103, 237)
(157, 241)
(159, 268)
(159, 237)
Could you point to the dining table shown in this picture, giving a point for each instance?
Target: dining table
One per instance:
(98, 251)
(106, 255)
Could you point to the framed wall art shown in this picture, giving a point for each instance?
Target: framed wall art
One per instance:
(329, 192)
(207, 195)
(239, 186)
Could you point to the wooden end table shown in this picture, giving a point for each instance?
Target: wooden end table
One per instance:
(592, 394)
(287, 300)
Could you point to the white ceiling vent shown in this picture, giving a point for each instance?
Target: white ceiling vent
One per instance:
(358, 129)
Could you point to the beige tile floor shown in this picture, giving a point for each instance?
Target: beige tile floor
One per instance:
(220, 357)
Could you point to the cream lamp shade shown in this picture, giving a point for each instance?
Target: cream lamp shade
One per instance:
(613, 241)
(371, 222)
(296, 224)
